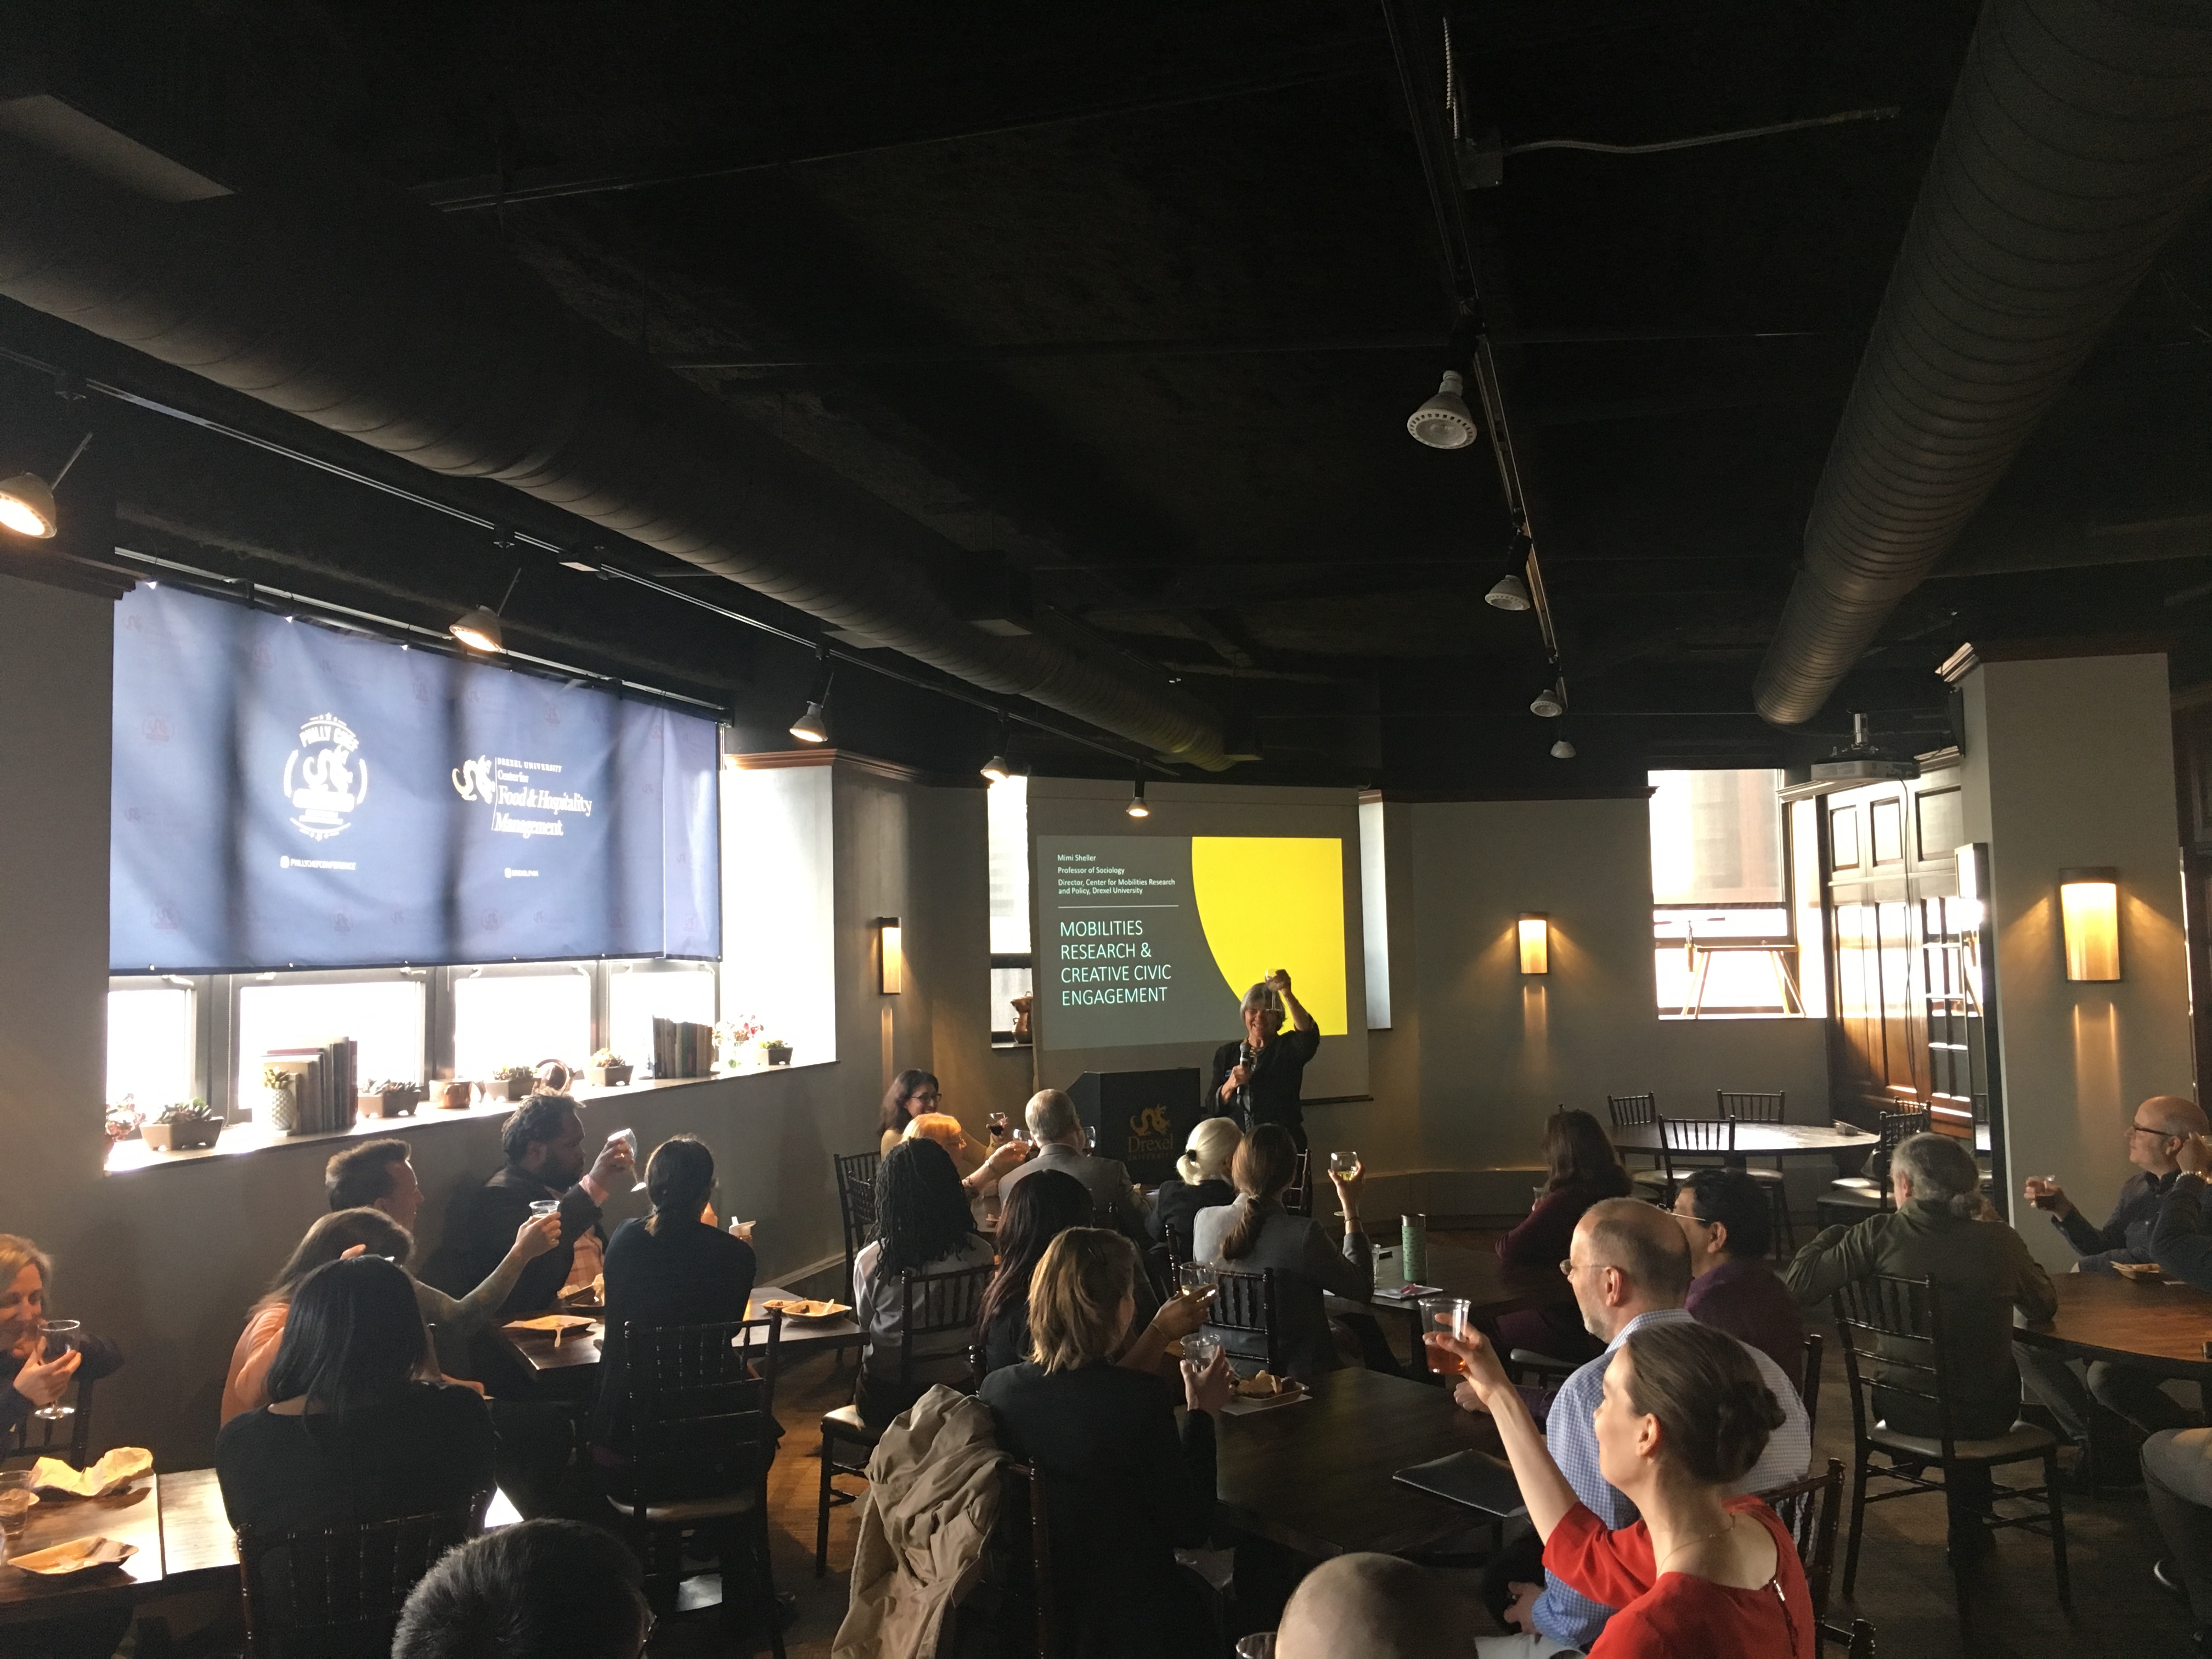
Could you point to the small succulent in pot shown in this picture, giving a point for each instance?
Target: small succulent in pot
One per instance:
(608, 1070)
(514, 1080)
(183, 1126)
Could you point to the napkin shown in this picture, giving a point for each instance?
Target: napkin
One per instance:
(115, 1469)
(75, 1556)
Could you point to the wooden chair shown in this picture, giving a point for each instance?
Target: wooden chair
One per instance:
(336, 1592)
(69, 1437)
(1810, 1510)
(932, 1304)
(699, 1409)
(1740, 1106)
(1019, 1573)
(1808, 1385)
(1246, 1302)
(1858, 1642)
(1852, 1198)
(1894, 1346)
(1297, 1197)
(1638, 1112)
(1708, 1141)
(856, 1204)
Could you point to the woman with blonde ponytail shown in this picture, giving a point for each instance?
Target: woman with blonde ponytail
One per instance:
(1201, 1182)
(1256, 1234)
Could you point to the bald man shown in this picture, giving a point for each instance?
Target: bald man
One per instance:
(2160, 1134)
(1376, 1606)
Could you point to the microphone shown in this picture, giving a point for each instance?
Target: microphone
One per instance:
(1245, 1054)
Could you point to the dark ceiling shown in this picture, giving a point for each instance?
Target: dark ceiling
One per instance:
(1131, 302)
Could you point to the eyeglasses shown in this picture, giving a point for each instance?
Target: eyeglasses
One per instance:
(2138, 1129)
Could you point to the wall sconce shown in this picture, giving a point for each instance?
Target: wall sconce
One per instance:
(1536, 943)
(2089, 913)
(891, 960)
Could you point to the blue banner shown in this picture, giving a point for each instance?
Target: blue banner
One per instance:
(287, 796)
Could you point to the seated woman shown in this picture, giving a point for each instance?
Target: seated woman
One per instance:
(1257, 1233)
(359, 1430)
(1724, 1215)
(36, 1371)
(1124, 1489)
(922, 1223)
(912, 1092)
(1039, 1209)
(1684, 1416)
(367, 1232)
(1584, 1168)
(671, 1268)
(1200, 1182)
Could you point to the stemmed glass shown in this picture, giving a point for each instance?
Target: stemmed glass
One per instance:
(1197, 1277)
(996, 1123)
(1091, 1137)
(1344, 1164)
(50, 1329)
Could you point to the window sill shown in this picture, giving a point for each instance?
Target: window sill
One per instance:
(238, 1138)
(1710, 1014)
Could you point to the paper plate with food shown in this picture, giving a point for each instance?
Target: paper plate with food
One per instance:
(795, 1307)
(1263, 1391)
(78, 1555)
(115, 1470)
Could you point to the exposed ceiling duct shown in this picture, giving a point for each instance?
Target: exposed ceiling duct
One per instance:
(2079, 138)
(373, 316)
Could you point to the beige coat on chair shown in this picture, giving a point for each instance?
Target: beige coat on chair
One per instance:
(926, 1521)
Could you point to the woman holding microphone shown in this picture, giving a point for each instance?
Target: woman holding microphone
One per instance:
(1258, 1080)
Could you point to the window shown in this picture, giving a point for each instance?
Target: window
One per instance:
(506, 1016)
(384, 1016)
(1012, 962)
(638, 992)
(150, 1058)
(778, 908)
(1723, 936)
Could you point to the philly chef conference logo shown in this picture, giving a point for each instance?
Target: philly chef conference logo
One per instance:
(326, 779)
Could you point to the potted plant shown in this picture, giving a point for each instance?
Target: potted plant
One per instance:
(390, 1099)
(513, 1081)
(732, 1039)
(122, 1120)
(185, 1126)
(778, 1052)
(280, 1100)
(608, 1070)
(454, 1094)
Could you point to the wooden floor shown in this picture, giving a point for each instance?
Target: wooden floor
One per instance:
(1905, 1586)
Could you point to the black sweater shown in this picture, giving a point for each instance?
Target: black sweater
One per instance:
(1177, 1206)
(480, 1230)
(1124, 1490)
(686, 1273)
(429, 1448)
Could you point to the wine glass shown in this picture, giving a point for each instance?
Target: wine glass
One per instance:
(49, 1329)
(1090, 1138)
(1344, 1164)
(996, 1123)
(1197, 1277)
(628, 1138)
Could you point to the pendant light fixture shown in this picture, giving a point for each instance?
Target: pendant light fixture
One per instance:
(1443, 422)
(27, 501)
(813, 725)
(998, 768)
(1510, 590)
(1551, 702)
(478, 628)
(1136, 808)
(1563, 750)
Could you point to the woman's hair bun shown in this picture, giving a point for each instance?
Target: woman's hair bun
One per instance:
(1716, 1411)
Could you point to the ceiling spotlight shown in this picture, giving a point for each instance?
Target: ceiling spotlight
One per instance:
(813, 725)
(998, 768)
(1511, 593)
(1549, 704)
(479, 630)
(1563, 750)
(1136, 808)
(27, 501)
(1443, 423)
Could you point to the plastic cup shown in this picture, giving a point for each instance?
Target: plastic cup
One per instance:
(1444, 1315)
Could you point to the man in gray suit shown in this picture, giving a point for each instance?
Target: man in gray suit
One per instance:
(1061, 1145)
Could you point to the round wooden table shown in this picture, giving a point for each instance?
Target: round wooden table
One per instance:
(2158, 1328)
(1759, 1140)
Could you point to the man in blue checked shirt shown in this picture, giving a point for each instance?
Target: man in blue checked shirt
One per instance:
(1630, 1266)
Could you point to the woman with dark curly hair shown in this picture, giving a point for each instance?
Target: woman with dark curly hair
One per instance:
(922, 1223)
(912, 1093)
(1684, 1415)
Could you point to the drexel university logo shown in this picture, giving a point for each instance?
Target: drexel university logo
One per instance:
(326, 779)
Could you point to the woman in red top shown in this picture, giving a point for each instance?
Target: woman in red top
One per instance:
(1702, 1576)
(1584, 1168)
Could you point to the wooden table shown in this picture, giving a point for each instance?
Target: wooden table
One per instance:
(2160, 1328)
(1472, 1271)
(132, 1516)
(1759, 1140)
(1315, 1477)
(580, 1349)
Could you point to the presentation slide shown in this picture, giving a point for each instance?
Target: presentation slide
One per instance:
(1150, 939)
(289, 797)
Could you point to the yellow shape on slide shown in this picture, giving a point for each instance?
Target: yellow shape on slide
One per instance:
(1270, 901)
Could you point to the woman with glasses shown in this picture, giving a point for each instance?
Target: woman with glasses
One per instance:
(671, 1268)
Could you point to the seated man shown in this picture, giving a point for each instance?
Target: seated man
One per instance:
(1724, 1215)
(2160, 1128)
(1377, 1607)
(377, 1175)
(543, 1139)
(532, 1591)
(1945, 1232)
(1061, 1145)
(1629, 1267)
